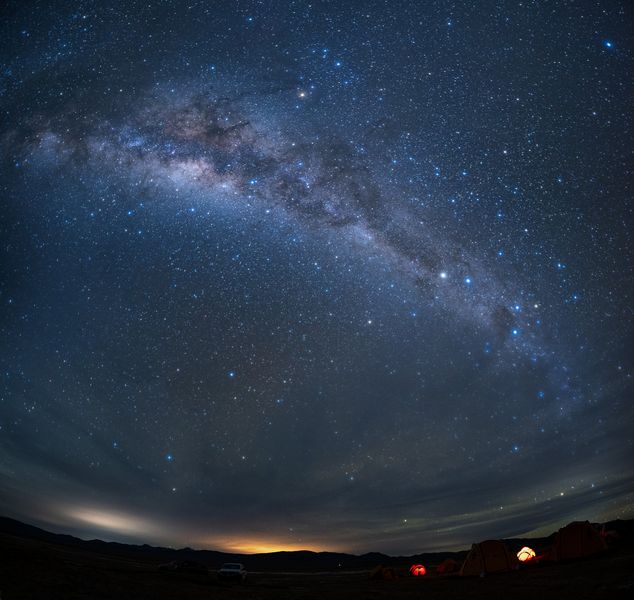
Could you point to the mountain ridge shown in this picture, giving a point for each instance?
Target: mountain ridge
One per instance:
(292, 560)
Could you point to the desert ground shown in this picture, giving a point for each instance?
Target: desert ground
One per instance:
(35, 570)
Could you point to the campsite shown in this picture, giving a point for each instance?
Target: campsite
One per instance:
(37, 565)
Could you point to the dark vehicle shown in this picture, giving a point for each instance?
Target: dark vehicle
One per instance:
(232, 572)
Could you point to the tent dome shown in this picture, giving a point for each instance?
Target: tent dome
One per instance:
(526, 554)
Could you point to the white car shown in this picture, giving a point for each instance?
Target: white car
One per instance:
(232, 571)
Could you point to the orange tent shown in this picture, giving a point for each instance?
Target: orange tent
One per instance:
(448, 566)
(575, 540)
(491, 556)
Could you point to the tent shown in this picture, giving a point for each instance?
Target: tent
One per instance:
(491, 556)
(448, 566)
(618, 532)
(382, 572)
(526, 555)
(576, 540)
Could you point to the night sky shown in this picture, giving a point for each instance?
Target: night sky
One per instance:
(328, 275)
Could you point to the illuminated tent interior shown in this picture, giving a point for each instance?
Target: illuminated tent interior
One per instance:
(526, 554)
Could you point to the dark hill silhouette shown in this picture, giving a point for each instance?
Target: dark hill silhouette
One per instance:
(302, 560)
(284, 560)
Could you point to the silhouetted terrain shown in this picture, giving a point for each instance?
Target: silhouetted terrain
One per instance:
(298, 560)
(38, 564)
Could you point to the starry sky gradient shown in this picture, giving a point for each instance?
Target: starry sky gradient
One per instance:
(329, 275)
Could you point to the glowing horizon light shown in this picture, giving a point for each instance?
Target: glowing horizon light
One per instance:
(259, 546)
(118, 522)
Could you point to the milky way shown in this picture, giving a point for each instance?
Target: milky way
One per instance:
(213, 147)
(360, 275)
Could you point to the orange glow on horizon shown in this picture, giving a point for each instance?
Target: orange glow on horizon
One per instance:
(119, 523)
(259, 546)
(418, 570)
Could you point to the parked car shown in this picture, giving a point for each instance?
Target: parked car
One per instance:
(232, 572)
